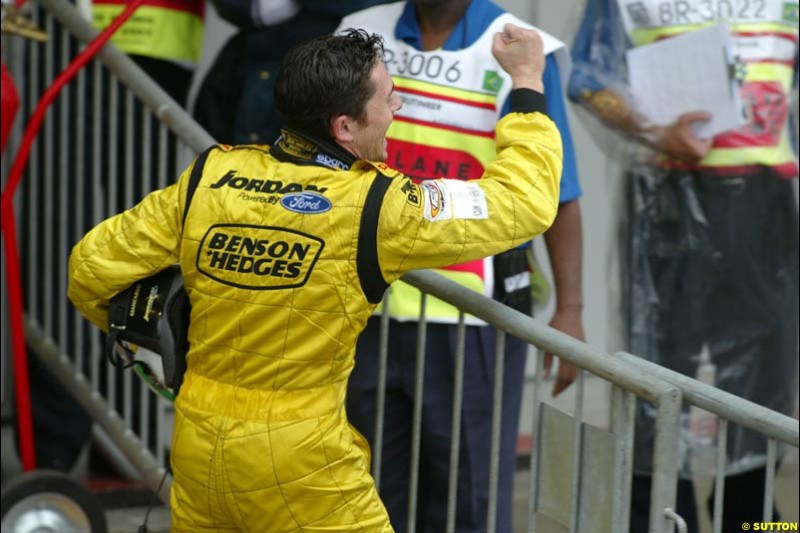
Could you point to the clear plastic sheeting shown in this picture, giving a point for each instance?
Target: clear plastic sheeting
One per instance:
(712, 290)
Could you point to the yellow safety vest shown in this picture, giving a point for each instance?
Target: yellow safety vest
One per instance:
(764, 38)
(163, 29)
(452, 101)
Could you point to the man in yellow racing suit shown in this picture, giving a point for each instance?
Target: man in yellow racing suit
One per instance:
(285, 252)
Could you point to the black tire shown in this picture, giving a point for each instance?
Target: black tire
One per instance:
(53, 493)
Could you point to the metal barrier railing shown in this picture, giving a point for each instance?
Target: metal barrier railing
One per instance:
(729, 408)
(627, 384)
(108, 140)
(133, 146)
(628, 380)
(150, 467)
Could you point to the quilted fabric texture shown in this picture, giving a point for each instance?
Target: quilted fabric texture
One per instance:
(268, 256)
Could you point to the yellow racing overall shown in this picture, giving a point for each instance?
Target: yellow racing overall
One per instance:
(283, 264)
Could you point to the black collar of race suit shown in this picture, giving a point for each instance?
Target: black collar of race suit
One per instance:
(304, 149)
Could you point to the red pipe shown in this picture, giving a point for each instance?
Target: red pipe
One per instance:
(7, 219)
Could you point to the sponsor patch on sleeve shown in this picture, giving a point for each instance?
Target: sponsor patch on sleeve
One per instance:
(453, 199)
(437, 202)
(412, 192)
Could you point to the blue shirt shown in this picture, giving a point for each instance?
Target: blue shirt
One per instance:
(480, 14)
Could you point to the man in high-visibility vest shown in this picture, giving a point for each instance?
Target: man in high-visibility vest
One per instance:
(712, 232)
(454, 93)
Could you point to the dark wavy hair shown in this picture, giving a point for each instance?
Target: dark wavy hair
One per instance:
(327, 77)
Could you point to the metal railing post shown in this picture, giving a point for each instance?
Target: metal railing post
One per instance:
(623, 412)
(719, 475)
(383, 358)
(533, 492)
(416, 423)
(665, 461)
(497, 421)
(455, 427)
(577, 455)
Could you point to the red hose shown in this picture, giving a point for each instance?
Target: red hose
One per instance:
(7, 218)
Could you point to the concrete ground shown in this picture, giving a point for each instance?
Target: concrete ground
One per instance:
(129, 520)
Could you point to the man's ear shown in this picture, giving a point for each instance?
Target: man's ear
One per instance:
(341, 129)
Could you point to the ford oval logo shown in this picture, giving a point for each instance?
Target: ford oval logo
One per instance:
(306, 202)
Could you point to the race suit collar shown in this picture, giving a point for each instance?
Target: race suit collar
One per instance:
(304, 149)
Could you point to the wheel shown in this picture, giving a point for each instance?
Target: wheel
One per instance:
(45, 501)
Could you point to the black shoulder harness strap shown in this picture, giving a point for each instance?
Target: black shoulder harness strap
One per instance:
(369, 270)
(169, 337)
(117, 314)
(194, 180)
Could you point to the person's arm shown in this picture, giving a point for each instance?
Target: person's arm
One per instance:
(598, 81)
(676, 140)
(447, 221)
(564, 242)
(564, 239)
(444, 222)
(125, 248)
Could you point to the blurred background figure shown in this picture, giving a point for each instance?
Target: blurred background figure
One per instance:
(235, 101)
(164, 37)
(711, 259)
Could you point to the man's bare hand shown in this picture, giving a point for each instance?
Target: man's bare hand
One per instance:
(571, 324)
(678, 140)
(521, 53)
